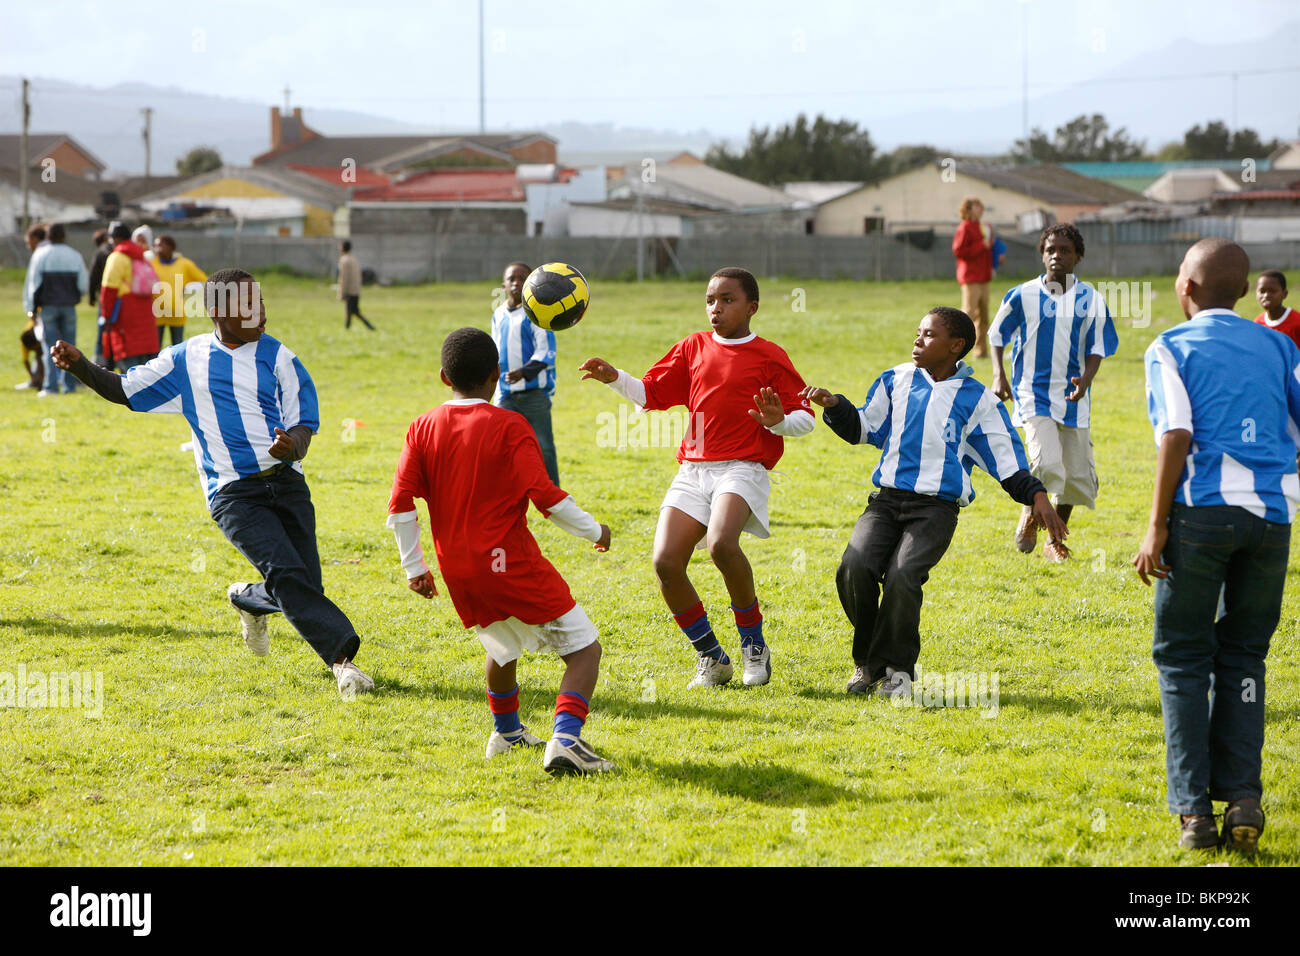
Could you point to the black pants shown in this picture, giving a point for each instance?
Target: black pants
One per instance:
(177, 334)
(272, 523)
(353, 303)
(897, 540)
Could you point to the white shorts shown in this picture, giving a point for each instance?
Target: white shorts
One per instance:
(1061, 458)
(506, 640)
(698, 484)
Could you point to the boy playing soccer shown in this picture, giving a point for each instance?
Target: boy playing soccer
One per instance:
(933, 423)
(527, 362)
(1060, 330)
(477, 467)
(1270, 290)
(742, 394)
(252, 409)
(1223, 396)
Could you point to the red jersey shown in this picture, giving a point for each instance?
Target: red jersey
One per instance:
(972, 244)
(1288, 325)
(477, 466)
(717, 379)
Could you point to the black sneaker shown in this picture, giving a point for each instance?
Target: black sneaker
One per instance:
(861, 682)
(1198, 832)
(1242, 825)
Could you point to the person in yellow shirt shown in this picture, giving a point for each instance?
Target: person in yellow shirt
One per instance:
(175, 274)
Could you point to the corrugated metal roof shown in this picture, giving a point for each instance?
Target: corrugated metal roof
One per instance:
(450, 185)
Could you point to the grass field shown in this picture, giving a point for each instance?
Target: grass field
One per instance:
(205, 755)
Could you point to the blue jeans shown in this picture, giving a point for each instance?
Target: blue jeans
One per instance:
(58, 322)
(270, 521)
(1211, 674)
(535, 405)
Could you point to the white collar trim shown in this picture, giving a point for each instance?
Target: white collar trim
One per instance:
(721, 341)
(466, 401)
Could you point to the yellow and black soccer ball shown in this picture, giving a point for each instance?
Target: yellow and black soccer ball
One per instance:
(556, 296)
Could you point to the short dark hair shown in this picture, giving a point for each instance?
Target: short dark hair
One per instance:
(523, 265)
(958, 324)
(470, 358)
(121, 231)
(36, 232)
(743, 276)
(347, 245)
(57, 233)
(100, 237)
(1274, 274)
(216, 291)
(166, 239)
(1067, 229)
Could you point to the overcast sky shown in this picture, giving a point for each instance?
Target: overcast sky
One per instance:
(680, 64)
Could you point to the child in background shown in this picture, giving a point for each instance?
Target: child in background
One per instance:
(527, 361)
(176, 274)
(1270, 290)
(742, 395)
(1059, 329)
(477, 467)
(933, 423)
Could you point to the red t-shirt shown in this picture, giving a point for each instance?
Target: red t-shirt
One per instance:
(477, 467)
(717, 383)
(1288, 325)
(974, 252)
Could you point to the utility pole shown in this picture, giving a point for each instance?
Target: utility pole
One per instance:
(148, 120)
(482, 127)
(24, 160)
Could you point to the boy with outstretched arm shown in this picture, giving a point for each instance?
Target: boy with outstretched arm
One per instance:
(1059, 330)
(933, 423)
(252, 409)
(477, 466)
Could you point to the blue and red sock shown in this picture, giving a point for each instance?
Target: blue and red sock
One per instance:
(695, 625)
(570, 714)
(749, 622)
(505, 712)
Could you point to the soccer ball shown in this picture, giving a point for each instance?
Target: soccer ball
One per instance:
(556, 296)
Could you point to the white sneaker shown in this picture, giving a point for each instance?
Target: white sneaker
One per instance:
(576, 758)
(897, 686)
(256, 638)
(499, 743)
(710, 673)
(758, 665)
(352, 680)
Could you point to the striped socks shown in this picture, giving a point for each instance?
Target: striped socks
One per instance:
(570, 714)
(695, 625)
(505, 712)
(749, 622)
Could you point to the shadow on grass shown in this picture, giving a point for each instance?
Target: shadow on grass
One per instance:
(766, 783)
(611, 704)
(47, 627)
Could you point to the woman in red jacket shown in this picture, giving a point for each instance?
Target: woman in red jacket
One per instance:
(130, 332)
(973, 246)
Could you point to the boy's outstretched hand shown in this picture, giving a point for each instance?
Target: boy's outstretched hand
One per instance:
(819, 396)
(603, 544)
(1047, 517)
(65, 356)
(599, 369)
(769, 409)
(283, 447)
(423, 585)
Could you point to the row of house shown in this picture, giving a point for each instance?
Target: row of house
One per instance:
(516, 183)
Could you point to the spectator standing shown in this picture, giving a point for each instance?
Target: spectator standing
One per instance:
(175, 275)
(350, 286)
(56, 281)
(126, 304)
(972, 244)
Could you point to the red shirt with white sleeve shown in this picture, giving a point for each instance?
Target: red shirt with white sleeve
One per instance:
(1288, 324)
(717, 379)
(477, 466)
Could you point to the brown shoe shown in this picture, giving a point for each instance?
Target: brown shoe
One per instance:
(1198, 832)
(1055, 551)
(1027, 532)
(1242, 824)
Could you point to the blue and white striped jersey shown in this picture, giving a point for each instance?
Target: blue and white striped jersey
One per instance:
(520, 341)
(1235, 386)
(1051, 337)
(933, 433)
(234, 399)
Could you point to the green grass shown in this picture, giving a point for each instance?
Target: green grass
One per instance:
(205, 755)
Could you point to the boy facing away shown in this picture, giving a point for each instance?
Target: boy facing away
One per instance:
(477, 466)
(743, 395)
(1059, 329)
(1223, 395)
(252, 409)
(933, 423)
